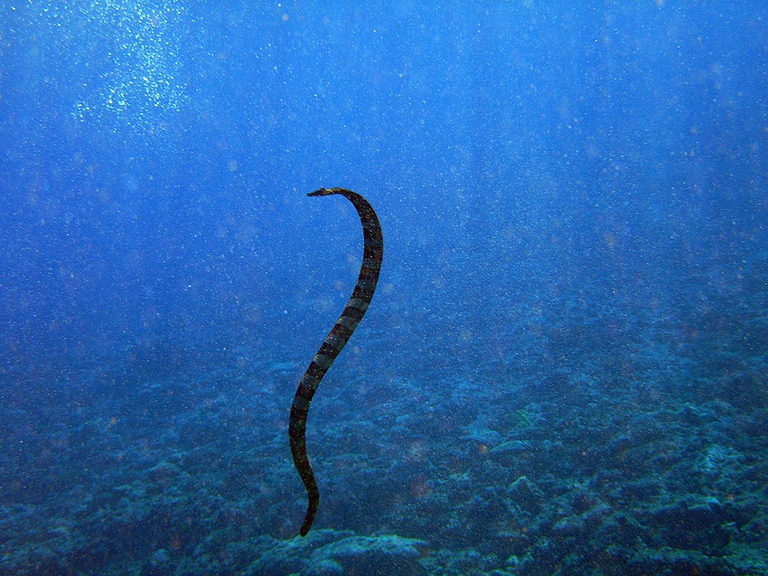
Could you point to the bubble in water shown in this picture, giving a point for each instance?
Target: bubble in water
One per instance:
(135, 47)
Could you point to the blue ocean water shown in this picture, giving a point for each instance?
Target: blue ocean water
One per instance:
(563, 370)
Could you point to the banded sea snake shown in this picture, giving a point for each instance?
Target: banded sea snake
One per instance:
(356, 306)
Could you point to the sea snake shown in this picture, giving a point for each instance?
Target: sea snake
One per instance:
(334, 342)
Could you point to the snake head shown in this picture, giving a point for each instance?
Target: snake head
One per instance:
(323, 192)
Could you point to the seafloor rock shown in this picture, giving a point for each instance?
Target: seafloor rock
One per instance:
(525, 494)
(379, 555)
(667, 560)
(321, 553)
(283, 557)
(159, 564)
(693, 526)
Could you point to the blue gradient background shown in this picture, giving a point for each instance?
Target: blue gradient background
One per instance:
(552, 178)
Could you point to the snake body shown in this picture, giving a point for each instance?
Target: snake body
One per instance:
(334, 342)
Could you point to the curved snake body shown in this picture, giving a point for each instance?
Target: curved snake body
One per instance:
(334, 342)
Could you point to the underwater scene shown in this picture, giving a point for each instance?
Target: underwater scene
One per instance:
(553, 216)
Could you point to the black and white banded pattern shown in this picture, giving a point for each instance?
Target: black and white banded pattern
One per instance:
(334, 342)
